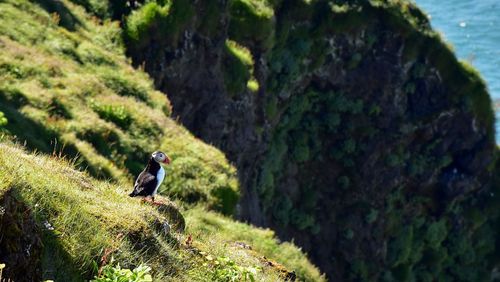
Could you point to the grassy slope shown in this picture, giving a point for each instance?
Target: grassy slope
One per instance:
(90, 216)
(78, 88)
(64, 77)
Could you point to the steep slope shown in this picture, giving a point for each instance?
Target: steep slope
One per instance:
(355, 130)
(65, 85)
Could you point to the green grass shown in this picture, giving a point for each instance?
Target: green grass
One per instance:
(217, 231)
(77, 89)
(140, 21)
(91, 216)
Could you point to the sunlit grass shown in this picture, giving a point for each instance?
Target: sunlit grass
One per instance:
(90, 216)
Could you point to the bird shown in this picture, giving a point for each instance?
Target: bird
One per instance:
(148, 181)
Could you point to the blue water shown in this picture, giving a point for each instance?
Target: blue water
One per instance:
(473, 28)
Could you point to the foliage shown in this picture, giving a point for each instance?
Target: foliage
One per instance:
(157, 19)
(217, 230)
(225, 269)
(239, 68)
(125, 87)
(116, 114)
(93, 104)
(110, 273)
(2, 266)
(90, 219)
(141, 20)
(251, 20)
(3, 120)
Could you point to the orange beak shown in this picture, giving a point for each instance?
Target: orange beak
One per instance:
(167, 160)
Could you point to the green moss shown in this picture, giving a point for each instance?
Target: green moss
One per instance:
(251, 20)
(238, 69)
(163, 20)
(140, 22)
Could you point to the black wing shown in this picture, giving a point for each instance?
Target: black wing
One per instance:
(144, 185)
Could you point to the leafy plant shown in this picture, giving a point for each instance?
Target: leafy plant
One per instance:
(225, 269)
(113, 113)
(111, 273)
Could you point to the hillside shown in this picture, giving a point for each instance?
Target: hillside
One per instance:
(66, 89)
(354, 131)
(57, 222)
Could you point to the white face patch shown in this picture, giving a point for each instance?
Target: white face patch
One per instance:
(159, 157)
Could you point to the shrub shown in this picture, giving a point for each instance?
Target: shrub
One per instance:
(116, 114)
(167, 17)
(124, 87)
(90, 54)
(141, 20)
(99, 8)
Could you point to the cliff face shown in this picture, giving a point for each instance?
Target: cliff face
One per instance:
(355, 130)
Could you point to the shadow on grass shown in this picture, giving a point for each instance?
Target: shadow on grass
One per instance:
(30, 251)
(57, 264)
(66, 18)
(20, 240)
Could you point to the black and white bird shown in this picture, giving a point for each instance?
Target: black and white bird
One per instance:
(150, 179)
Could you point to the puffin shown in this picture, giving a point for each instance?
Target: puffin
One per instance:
(150, 179)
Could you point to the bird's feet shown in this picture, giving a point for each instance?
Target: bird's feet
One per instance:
(152, 201)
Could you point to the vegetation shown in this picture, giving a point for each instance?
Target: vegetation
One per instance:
(66, 86)
(66, 89)
(162, 20)
(111, 273)
(251, 21)
(86, 220)
(215, 230)
(83, 94)
(239, 69)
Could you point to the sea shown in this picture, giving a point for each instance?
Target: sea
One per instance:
(473, 28)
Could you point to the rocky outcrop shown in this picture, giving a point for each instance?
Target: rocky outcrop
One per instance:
(355, 130)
